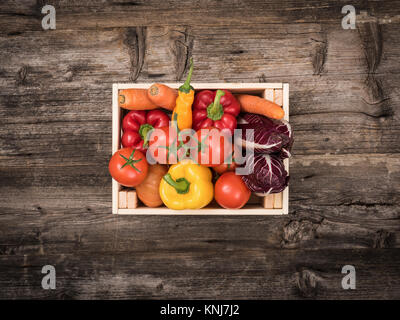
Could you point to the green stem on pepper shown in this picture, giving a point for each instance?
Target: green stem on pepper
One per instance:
(215, 111)
(181, 185)
(186, 87)
(144, 133)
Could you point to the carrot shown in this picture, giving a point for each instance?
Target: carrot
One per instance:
(135, 99)
(163, 96)
(254, 104)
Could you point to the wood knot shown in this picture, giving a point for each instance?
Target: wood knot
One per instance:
(383, 239)
(68, 76)
(7, 250)
(78, 243)
(262, 78)
(160, 287)
(296, 231)
(319, 57)
(21, 75)
(308, 283)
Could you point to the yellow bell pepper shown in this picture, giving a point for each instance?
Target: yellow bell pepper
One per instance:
(187, 185)
(183, 109)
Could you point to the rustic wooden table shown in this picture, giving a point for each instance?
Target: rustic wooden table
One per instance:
(55, 142)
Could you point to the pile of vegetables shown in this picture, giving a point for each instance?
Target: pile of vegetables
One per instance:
(178, 146)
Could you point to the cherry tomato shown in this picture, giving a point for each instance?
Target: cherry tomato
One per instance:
(213, 146)
(231, 192)
(128, 167)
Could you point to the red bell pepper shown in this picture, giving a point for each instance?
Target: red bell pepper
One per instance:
(217, 109)
(138, 123)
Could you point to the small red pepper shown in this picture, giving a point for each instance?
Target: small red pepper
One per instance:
(136, 127)
(217, 109)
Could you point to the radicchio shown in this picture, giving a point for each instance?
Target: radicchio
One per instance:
(268, 175)
(270, 136)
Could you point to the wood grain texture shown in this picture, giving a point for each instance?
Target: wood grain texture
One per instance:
(55, 142)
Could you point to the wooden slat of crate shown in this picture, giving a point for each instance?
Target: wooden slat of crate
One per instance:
(268, 201)
(207, 211)
(274, 200)
(285, 193)
(122, 199)
(278, 99)
(278, 200)
(116, 123)
(278, 96)
(132, 200)
(269, 94)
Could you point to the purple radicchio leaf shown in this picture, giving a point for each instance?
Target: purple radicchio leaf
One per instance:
(268, 175)
(270, 135)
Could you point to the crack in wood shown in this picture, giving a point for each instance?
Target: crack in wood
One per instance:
(20, 14)
(379, 114)
(371, 37)
(375, 102)
(182, 49)
(320, 55)
(135, 40)
(365, 204)
(15, 33)
(376, 94)
(156, 75)
(126, 4)
(237, 51)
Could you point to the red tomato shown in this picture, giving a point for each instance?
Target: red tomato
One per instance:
(164, 145)
(128, 167)
(231, 192)
(225, 167)
(212, 146)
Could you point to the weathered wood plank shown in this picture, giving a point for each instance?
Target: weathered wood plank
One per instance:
(337, 111)
(351, 212)
(94, 232)
(251, 274)
(25, 16)
(51, 219)
(320, 180)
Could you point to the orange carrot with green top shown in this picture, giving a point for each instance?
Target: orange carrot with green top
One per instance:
(135, 99)
(162, 96)
(254, 104)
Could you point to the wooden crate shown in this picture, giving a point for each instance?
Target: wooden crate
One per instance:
(124, 200)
